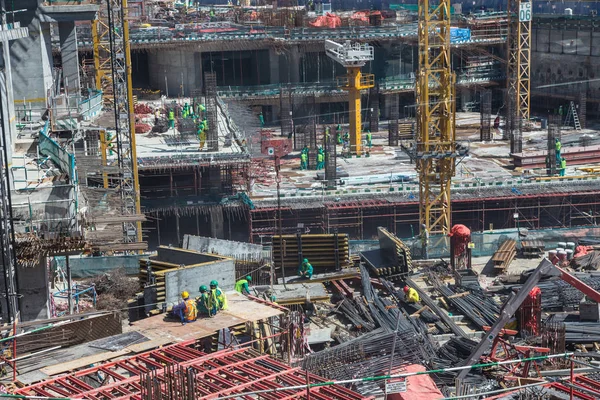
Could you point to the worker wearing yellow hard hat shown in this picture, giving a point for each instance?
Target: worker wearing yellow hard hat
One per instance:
(186, 310)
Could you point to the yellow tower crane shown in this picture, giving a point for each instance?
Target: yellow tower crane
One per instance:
(353, 57)
(112, 61)
(436, 141)
(519, 57)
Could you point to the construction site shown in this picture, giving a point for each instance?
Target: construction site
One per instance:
(273, 199)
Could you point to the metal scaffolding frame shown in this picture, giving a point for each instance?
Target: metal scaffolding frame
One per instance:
(519, 56)
(394, 118)
(486, 115)
(210, 87)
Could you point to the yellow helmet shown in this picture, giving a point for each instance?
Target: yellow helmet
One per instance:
(185, 295)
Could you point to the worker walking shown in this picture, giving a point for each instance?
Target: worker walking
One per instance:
(186, 310)
(411, 295)
(171, 119)
(563, 166)
(202, 301)
(369, 138)
(303, 160)
(306, 269)
(558, 147)
(217, 300)
(261, 118)
(242, 287)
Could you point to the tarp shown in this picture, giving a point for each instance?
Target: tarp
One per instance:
(327, 21)
(418, 387)
(461, 236)
(364, 15)
(458, 35)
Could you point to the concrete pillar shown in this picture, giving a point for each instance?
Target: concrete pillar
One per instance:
(294, 65)
(31, 62)
(69, 56)
(8, 100)
(273, 67)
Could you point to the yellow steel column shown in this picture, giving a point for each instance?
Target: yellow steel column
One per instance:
(96, 41)
(355, 106)
(103, 156)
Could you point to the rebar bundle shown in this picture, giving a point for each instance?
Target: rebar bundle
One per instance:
(361, 321)
(558, 294)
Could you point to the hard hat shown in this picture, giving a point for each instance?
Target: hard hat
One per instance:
(249, 278)
(185, 295)
(203, 289)
(305, 260)
(405, 289)
(214, 283)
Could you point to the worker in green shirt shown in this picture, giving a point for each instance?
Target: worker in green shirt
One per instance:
(217, 300)
(202, 301)
(303, 160)
(558, 147)
(261, 118)
(242, 287)
(320, 159)
(306, 269)
(171, 119)
(563, 166)
(369, 138)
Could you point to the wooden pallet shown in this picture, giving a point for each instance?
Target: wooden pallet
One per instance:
(504, 255)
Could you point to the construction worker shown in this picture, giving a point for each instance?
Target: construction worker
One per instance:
(320, 159)
(242, 287)
(171, 119)
(202, 301)
(186, 110)
(424, 241)
(217, 299)
(369, 138)
(201, 110)
(563, 166)
(327, 134)
(411, 295)
(186, 310)
(156, 116)
(558, 147)
(303, 160)
(261, 118)
(306, 269)
(560, 111)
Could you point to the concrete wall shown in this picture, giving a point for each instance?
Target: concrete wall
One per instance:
(226, 248)
(190, 279)
(170, 70)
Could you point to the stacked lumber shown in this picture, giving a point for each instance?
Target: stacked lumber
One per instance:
(406, 130)
(320, 250)
(504, 255)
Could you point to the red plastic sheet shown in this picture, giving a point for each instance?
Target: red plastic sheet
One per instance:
(418, 387)
(327, 21)
(461, 236)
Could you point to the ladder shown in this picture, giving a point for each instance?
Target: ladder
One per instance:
(572, 112)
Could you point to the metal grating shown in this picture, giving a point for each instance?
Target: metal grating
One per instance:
(393, 120)
(486, 115)
(212, 137)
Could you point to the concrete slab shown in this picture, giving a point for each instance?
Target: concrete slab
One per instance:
(296, 294)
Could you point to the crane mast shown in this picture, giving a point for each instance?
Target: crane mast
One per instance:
(436, 141)
(112, 61)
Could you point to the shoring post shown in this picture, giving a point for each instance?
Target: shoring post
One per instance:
(307, 385)
(14, 352)
(572, 379)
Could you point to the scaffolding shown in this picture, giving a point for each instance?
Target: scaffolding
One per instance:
(519, 57)
(393, 120)
(212, 138)
(330, 161)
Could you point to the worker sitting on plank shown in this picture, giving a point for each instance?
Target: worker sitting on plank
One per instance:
(306, 269)
(411, 295)
(242, 287)
(202, 301)
(186, 310)
(217, 299)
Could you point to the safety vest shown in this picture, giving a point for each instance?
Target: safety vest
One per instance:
(558, 146)
(412, 295)
(239, 285)
(217, 299)
(190, 311)
(369, 136)
(171, 115)
(303, 157)
(320, 157)
(563, 163)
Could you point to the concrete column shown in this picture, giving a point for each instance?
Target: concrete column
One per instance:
(8, 100)
(294, 65)
(217, 223)
(273, 67)
(31, 62)
(69, 56)
(198, 71)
